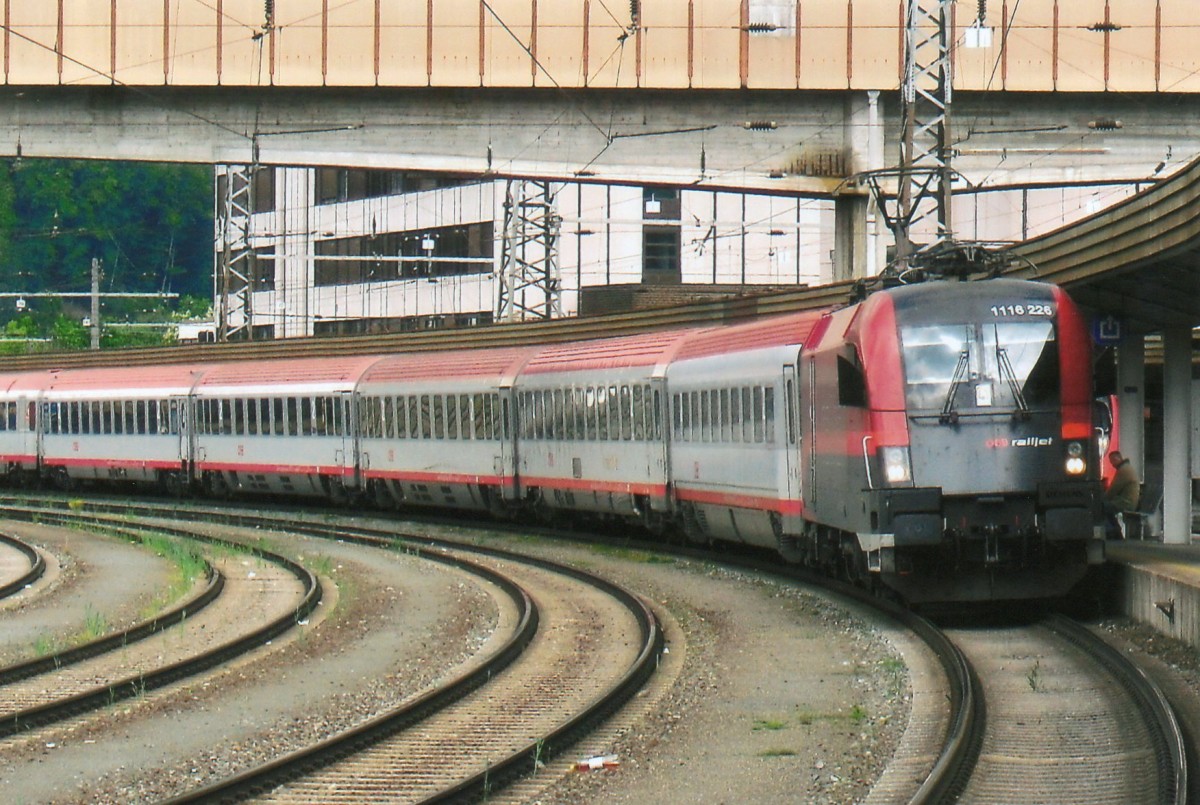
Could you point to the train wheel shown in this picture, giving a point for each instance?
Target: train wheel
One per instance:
(63, 481)
(173, 485)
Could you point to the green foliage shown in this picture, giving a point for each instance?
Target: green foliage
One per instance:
(150, 224)
(70, 334)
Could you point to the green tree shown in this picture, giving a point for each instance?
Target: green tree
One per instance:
(150, 224)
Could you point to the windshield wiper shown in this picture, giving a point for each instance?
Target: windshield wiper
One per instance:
(949, 415)
(1014, 385)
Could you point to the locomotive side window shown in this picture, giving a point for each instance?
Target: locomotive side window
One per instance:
(852, 385)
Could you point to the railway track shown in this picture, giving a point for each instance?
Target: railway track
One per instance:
(933, 770)
(20, 565)
(520, 719)
(977, 750)
(97, 673)
(1070, 720)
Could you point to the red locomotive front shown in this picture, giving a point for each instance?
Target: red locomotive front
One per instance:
(964, 412)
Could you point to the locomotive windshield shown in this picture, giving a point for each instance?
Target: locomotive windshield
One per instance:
(991, 367)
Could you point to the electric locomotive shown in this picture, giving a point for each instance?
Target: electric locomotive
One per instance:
(948, 444)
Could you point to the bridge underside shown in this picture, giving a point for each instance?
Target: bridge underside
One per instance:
(793, 142)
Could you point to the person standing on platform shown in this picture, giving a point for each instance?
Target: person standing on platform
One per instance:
(1123, 492)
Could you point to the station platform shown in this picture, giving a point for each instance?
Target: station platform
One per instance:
(1158, 585)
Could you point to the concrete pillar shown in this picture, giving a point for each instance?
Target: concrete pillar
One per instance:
(849, 237)
(850, 247)
(1131, 398)
(1177, 428)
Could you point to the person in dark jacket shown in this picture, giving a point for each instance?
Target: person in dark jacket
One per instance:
(1123, 493)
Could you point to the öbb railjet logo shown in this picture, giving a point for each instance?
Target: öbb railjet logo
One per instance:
(1026, 441)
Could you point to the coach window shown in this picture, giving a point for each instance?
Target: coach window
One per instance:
(119, 416)
(769, 413)
(757, 403)
(579, 405)
(479, 415)
(426, 417)
(414, 416)
(291, 406)
(238, 408)
(322, 417)
(612, 402)
(437, 416)
(449, 403)
(278, 426)
(626, 406)
(639, 413)
(130, 410)
(749, 414)
(263, 406)
(251, 417)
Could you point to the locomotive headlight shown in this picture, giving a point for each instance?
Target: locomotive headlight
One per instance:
(1076, 465)
(896, 467)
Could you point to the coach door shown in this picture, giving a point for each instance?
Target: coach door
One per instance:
(791, 435)
(344, 455)
(31, 434)
(506, 459)
(179, 424)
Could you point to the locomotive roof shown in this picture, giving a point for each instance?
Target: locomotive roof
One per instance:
(794, 328)
(471, 363)
(646, 349)
(316, 374)
(138, 380)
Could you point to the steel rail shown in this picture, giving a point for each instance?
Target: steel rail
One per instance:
(139, 631)
(291, 766)
(37, 566)
(1166, 734)
(160, 677)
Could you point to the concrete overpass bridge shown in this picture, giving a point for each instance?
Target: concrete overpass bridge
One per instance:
(773, 95)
